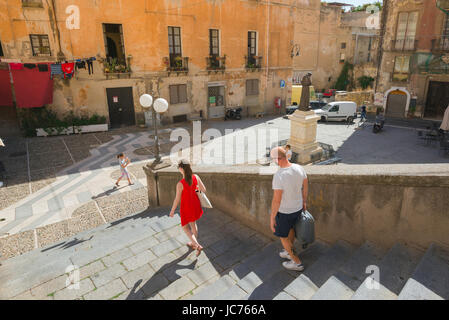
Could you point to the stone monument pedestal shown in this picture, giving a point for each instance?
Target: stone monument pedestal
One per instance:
(303, 136)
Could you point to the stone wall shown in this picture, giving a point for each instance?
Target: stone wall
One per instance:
(382, 204)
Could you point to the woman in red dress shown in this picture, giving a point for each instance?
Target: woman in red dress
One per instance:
(190, 203)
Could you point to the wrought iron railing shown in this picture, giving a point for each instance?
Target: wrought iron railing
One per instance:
(440, 44)
(405, 44)
(253, 62)
(177, 63)
(216, 63)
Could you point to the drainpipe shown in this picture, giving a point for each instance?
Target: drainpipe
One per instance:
(53, 19)
(380, 49)
(266, 51)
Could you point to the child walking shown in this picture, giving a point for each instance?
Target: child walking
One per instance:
(191, 209)
(124, 162)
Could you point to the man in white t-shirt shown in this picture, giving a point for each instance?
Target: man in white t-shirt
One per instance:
(290, 187)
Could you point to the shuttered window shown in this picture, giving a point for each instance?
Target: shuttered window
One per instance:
(401, 68)
(252, 87)
(40, 45)
(178, 93)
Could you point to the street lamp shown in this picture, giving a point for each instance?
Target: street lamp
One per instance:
(159, 106)
(1, 145)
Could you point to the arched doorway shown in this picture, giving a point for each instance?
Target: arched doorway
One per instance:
(396, 104)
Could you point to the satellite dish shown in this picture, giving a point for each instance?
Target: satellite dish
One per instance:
(160, 105)
(146, 100)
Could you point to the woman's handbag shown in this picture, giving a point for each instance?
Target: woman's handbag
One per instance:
(205, 203)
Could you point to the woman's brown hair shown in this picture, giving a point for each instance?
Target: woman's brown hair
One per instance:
(187, 171)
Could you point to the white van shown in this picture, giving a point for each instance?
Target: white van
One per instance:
(338, 111)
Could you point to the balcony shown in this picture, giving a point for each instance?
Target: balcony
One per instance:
(177, 64)
(253, 63)
(216, 63)
(116, 69)
(402, 45)
(440, 45)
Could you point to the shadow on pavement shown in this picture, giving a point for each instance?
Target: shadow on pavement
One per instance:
(66, 245)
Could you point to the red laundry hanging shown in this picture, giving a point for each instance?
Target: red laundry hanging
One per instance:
(5, 89)
(68, 69)
(33, 88)
(16, 66)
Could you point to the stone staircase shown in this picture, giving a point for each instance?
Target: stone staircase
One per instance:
(337, 272)
(144, 256)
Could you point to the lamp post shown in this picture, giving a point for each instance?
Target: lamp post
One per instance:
(160, 105)
(1, 145)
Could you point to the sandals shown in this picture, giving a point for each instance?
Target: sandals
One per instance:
(197, 248)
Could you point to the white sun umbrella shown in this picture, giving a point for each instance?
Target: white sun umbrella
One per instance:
(445, 124)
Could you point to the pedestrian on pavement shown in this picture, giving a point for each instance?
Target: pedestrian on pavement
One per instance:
(363, 113)
(288, 150)
(124, 162)
(191, 209)
(290, 188)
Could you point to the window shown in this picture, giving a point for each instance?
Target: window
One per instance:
(334, 109)
(342, 57)
(1, 49)
(32, 3)
(114, 43)
(343, 45)
(174, 44)
(252, 43)
(214, 44)
(401, 68)
(445, 33)
(178, 93)
(406, 31)
(252, 87)
(40, 45)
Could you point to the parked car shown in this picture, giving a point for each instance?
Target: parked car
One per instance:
(329, 93)
(317, 104)
(312, 105)
(338, 111)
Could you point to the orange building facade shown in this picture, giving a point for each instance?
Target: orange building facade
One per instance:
(202, 56)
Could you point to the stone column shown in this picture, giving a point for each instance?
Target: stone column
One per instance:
(303, 136)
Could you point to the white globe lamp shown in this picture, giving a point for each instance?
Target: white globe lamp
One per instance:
(146, 100)
(160, 105)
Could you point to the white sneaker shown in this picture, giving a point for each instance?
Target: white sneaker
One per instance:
(284, 254)
(291, 265)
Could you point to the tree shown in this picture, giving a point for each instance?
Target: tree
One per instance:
(343, 79)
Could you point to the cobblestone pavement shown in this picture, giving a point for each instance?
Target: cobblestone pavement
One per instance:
(142, 256)
(51, 181)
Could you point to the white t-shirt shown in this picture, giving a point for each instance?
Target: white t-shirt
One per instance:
(289, 154)
(290, 180)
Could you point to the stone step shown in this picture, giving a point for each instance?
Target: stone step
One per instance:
(394, 270)
(215, 289)
(329, 263)
(354, 271)
(301, 287)
(333, 289)
(430, 280)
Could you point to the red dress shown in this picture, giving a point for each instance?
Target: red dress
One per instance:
(190, 204)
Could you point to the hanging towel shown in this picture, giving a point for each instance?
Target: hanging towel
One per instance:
(68, 69)
(29, 65)
(5, 89)
(32, 88)
(16, 66)
(56, 70)
(90, 66)
(43, 67)
(80, 65)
